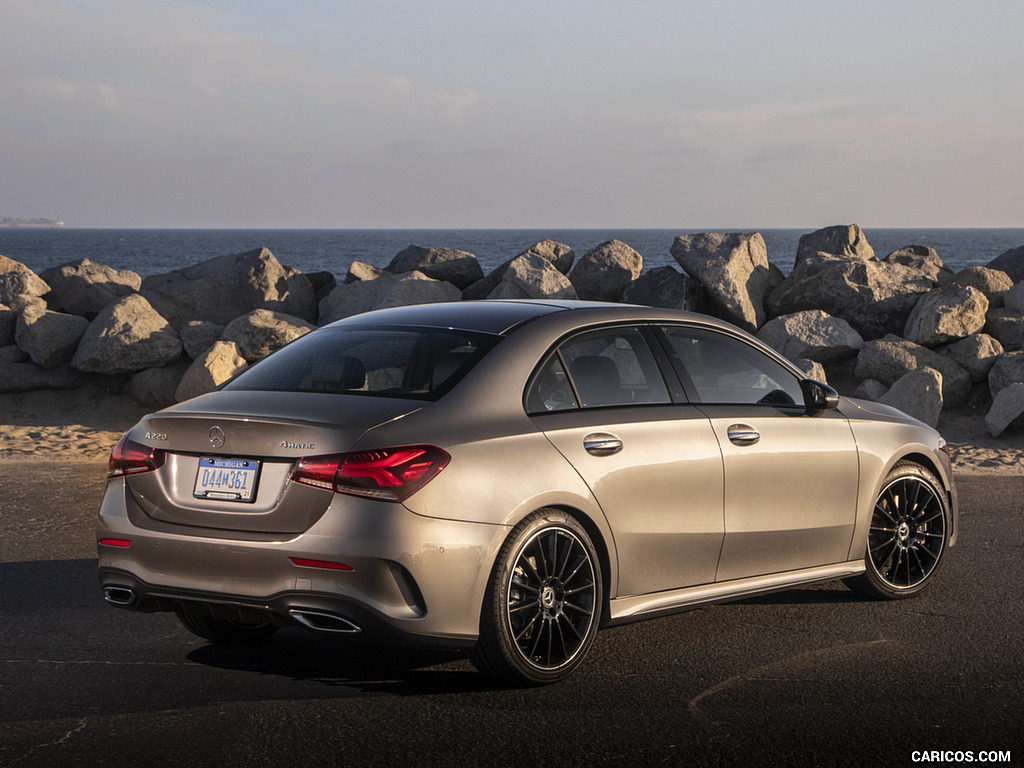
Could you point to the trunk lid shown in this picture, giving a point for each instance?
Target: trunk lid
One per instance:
(229, 456)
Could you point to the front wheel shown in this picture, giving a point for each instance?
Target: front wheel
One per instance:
(543, 603)
(908, 536)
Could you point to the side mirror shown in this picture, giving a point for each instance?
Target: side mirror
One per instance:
(818, 397)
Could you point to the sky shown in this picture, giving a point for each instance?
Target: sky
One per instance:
(479, 114)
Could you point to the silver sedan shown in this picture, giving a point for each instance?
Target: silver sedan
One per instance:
(511, 476)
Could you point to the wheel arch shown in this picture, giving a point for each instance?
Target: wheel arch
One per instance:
(603, 552)
(946, 486)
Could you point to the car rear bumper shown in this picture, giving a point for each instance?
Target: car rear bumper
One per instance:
(410, 578)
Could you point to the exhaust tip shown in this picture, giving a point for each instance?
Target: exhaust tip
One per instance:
(118, 595)
(324, 622)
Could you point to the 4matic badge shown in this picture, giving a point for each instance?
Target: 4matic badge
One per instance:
(297, 446)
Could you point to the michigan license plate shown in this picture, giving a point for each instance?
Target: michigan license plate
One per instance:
(226, 479)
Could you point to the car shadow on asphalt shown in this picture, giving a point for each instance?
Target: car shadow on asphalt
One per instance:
(364, 665)
(61, 627)
(832, 592)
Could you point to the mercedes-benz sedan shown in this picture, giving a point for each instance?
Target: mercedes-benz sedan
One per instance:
(511, 476)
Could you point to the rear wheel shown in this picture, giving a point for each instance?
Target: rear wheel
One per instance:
(543, 602)
(226, 631)
(908, 535)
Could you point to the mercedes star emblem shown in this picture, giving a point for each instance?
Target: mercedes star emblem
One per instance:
(217, 437)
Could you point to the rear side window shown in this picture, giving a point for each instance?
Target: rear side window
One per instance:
(601, 368)
(725, 370)
(418, 363)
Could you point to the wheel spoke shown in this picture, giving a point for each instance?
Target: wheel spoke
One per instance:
(578, 608)
(892, 543)
(530, 624)
(583, 588)
(544, 571)
(565, 561)
(572, 627)
(525, 607)
(881, 507)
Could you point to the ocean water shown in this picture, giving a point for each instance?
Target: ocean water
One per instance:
(153, 251)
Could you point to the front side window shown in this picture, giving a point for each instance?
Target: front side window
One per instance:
(725, 370)
(418, 363)
(595, 369)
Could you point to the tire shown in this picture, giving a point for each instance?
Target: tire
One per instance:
(226, 631)
(908, 537)
(543, 603)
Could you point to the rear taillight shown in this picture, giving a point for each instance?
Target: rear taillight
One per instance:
(130, 458)
(390, 474)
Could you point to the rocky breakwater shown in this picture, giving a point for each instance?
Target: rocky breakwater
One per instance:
(902, 330)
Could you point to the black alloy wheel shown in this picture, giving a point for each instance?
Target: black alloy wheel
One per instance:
(908, 535)
(544, 601)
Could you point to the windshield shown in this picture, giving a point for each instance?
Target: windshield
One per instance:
(418, 363)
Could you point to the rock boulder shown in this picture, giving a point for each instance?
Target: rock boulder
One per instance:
(155, 387)
(460, 268)
(993, 283)
(606, 271)
(1007, 370)
(225, 287)
(217, 365)
(198, 336)
(261, 332)
(392, 291)
(531, 276)
(733, 268)
(28, 377)
(1014, 297)
(8, 322)
(19, 285)
(359, 271)
(668, 288)
(1007, 325)
(870, 389)
(924, 260)
(874, 297)
(946, 314)
(1011, 262)
(976, 354)
(812, 334)
(843, 240)
(125, 337)
(84, 287)
(887, 360)
(918, 394)
(49, 338)
(560, 255)
(1007, 407)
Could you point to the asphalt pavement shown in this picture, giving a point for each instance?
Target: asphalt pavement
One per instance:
(814, 676)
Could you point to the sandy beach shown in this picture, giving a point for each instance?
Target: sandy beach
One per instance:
(83, 425)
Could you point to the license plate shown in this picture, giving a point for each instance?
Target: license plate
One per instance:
(226, 479)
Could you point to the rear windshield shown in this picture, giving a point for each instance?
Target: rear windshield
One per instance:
(418, 363)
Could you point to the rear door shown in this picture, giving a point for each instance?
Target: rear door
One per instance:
(790, 479)
(653, 464)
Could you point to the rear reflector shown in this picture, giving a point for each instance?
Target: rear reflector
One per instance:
(390, 474)
(129, 458)
(327, 564)
(123, 543)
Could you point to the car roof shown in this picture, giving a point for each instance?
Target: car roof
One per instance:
(501, 316)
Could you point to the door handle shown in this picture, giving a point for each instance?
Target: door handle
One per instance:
(741, 434)
(602, 444)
